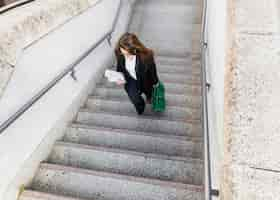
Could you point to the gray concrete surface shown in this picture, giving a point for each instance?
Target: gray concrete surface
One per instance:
(33, 74)
(171, 99)
(109, 152)
(154, 32)
(251, 126)
(175, 61)
(178, 69)
(102, 185)
(119, 93)
(146, 142)
(34, 195)
(134, 122)
(173, 113)
(170, 88)
(132, 163)
(28, 141)
(22, 26)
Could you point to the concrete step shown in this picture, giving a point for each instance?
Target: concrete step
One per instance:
(190, 76)
(173, 29)
(170, 88)
(177, 61)
(145, 142)
(125, 106)
(178, 100)
(179, 78)
(132, 163)
(174, 46)
(170, 3)
(114, 154)
(36, 195)
(183, 14)
(188, 70)
(163, 30)
(90, 184)
(163, 52)
(173, 60)
(139, 123)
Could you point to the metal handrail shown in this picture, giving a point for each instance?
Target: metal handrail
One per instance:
(209, 191)
(16, 4)
(69, 69)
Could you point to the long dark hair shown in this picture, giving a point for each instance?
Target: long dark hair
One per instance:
(131, 43)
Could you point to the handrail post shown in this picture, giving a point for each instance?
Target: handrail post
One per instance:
(73, 74)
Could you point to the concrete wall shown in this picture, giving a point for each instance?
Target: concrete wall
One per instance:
(243, 68)
(67, 44)
(278, 11)
(28, 141)
(216, 58)
(252, 104)
(26, 24)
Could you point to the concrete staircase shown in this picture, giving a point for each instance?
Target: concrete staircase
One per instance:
(111, 153)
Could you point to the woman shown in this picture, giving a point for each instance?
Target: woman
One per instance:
(136, 62)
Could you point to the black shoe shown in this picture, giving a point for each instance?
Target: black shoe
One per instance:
(140, 112)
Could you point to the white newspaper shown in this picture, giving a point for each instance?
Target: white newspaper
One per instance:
(114, 76)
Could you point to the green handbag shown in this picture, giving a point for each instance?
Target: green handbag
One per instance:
(158, 97)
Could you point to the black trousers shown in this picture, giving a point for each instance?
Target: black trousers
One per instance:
(134, 94)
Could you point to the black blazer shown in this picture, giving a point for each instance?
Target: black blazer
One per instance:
(146, 72)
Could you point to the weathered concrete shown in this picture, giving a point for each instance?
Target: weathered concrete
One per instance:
(101, 185)
(171, 88)
(171, 99)
(26, 24)
(5, 75)
(132, 163)
(166, 24)
(54, 111)
(146, 123)
(53, 53)
(34, 195)
(252, 104)
(125, 106)
(146, 142)
(123, 156)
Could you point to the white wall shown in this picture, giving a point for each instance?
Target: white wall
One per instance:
(53, 53)
(29, 140)
(122, 24)
(216, 35)
(24, 25)
(278, 10)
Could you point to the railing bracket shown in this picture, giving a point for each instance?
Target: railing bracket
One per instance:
(73, 74)
(215, 193)
(208, 85)
(205, 44)
(109, 39)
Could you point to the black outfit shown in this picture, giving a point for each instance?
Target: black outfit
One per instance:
(146, 75)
